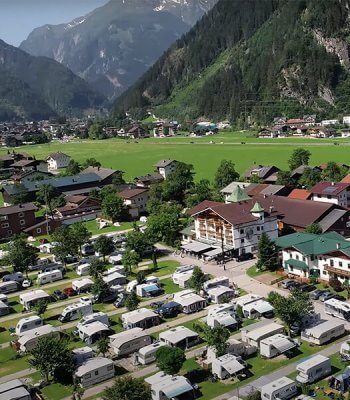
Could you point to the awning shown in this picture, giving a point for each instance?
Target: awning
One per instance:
(226, 320)
(261, 306)
(296, 264)
(151, 288)
(177, 390)
(196, 247)
(283, 345)
(213, 253)
(233, 366)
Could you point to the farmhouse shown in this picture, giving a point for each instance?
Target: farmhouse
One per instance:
(57, 160)
(267, 173)
(135, 200)
(165, 167)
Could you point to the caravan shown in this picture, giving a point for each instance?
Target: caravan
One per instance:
(29, 299)
(94, 317)
(282, 389)
(125, 343)
(48, 277)
(275, 345)
(83, 269)
(4, 305)
(147, 355)
(90, 333)
(30, 339)
(313, 369)
(219, 281)
(75, 311)
(94, 370)
(8, 287)
(82, 285)
(16, 276)
(27, 324)
(323, 332)
(140, 318)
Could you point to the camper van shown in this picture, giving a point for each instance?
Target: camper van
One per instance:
(282, 388)
(125, 343)
(8, 287)
(48, 277)
(75, 311)
(94, 370)
(313, 369)
(27, 324)
(29, 299)
(147, 355)
(323, 332)
(83, 269)
(16, 276)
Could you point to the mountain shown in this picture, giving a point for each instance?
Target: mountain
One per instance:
(256, 58)
(39, 87)
(114, 45)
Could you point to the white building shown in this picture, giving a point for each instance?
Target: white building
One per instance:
(57, 160)
(332, 192)
(329, 122)
(165, 167)
(275, 345)
(167, 387)
(135, 200)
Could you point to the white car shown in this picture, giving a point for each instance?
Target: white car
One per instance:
(26, 283)
(86, 300)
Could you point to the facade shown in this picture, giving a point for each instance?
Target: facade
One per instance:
(165, 167)
(15, 219)
(78, 205)
(135, 200)
(330, 192)
(57, 160)
(326, 256)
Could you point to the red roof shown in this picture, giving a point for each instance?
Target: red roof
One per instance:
(346, 179)
(130, 193)
(301, 194)
(255, 190)
(329, 188)
(295, 121)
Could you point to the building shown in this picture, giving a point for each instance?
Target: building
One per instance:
(105, 175)
(167, 387)
(137, 132)
(232, 187)
(331, 192)
(265, 173)
(237, 226)
(309, 120)
(26, 176)
(15, 219)
(164, 129)
(78, 206)
(135, 200)
(300, 194)
(325, 256)
(165, 167)
(145, 181)
(56, 161)
(329, 122)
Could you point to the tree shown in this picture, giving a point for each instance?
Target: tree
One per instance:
(104, 245)
(170, 359)
(95, 130)
(113, 207)
(65, 243)
(96, 268)
(132, 301)
(73, 168)
(20, 255)
(201, 191)
(130, 259)
(140, 277)
(254, 395)
(139, 241)
(91, 162)
(102, 346)
(179, 181)
(128, 388)
(45, 195)
(267, 255)
(118, 179)
(299, 157)
(217, 338)
(99, 287)
(50, 355)
(310, 177)
(284, 178)
(81, 234)
(225, 174)
(314, 228)
(333, 172)
(197, 280)
(292, 309)
(40, 307)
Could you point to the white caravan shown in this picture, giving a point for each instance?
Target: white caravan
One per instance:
(323, 332)
(131, 341)
(313, 369)
(8, 287)
(27, 324)
(75, 311)
(282, 389)
(147, 355)
(29, 299)
(48, 277)
(94, 370)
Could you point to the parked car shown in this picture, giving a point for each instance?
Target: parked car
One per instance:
(287, 283)
(315, 295)
(244, 257)
(306, 287)
(70, 292)
(339, 297)
(295, 286)
(26, 283)
(59, 295)
(70, 259)
(157, 304)
(326, 296)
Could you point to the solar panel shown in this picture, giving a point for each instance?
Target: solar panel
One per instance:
(330, 189)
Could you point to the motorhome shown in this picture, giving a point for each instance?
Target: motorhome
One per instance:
(90, 333)
(30, 338)
(82, 269)
(75, 311)
(14, 390)
(48, 277)
(82, 285)
(275, 345)
(323, 332)
(29, 299)
(219, 294)
(283, 388)
(182, 278)
(131, 341)
(147, 355)
(27, 324)
(189, 301)
(254, 335)
(140, 318)
(16, 276)
(166, 387)
(114, 278)
(8, 287)
(227, 366)
(219, 281)
(313, 369)
(4, 305)
(257, 309)
(179, 336)
(148, 290)
(94, 370)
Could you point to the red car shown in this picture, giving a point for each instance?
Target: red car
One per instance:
(70, 292)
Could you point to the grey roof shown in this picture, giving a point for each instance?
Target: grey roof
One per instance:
(230, 188)
(15, 394)
(272, 189)
(329, 220)
(277, 384)
(56, 155)
(163, 163)
(15, 383)
(91, 364)
(317, 330)
(17, 209)
(150, 178)
(103, 173)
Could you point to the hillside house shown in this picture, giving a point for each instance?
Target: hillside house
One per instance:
(165, 167)
(57, 160)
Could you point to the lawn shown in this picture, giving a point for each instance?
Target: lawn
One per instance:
(56, 391)
(10, 362)
(164, 268)
(94, 229)
(169, 286)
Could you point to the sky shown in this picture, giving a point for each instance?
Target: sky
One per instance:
(19, 17)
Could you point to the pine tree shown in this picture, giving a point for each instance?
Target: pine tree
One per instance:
(267, 255)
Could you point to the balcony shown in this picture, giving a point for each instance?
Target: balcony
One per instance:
(337, 271)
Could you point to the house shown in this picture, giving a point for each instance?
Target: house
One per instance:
(283, 389)
(14, 219)
(165, 167)
(254, 335)
(234, 228)
(267, 133)
(267, 173)
(323, 166)
(309, 120)
(232, 187)
(189, 301)
(131, 341)
(164, 129)
(227, 366)
(26, 165)
(180, 336)
(14, 390)
(57, 160)
(78, 205)
(300, 194)
(275, 345)
(265, 189)
(280, 120)
(135, 200)
(295, 122)
(188, 234)
(325, 256)
(328, 122)
(28, 176)
(346, 179)
(167, 387)
(323, 332)
(137, 132)
(140, 318)
(331, 192)
(145, 181)
(298, 172)
(105, 175)
(94, 370)
(42, 226)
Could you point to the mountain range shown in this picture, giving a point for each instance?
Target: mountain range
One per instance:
(115, 44)
(252, 58)
(40, 88)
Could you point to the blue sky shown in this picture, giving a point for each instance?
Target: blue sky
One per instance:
(19, 17)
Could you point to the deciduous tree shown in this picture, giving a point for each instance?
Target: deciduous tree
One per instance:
(217, 338)
(104, 245)
(113, 207)
(225, 174)
(40, 308)
(65, 243)
(170, 359)
(314, 228)
(102, 346)
(299, 157)
(20, 254)
(132, 301)
(73, 168)
(130, 259)
(197, 280)
(128, 388)
(96, 268)
(81, 234)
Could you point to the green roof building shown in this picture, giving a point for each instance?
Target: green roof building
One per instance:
(238, 195)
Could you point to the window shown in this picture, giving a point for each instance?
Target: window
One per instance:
(4, 218)
(319, 196)
(96, 373)
(241, 231)
(324, 272)
(349, 266)
(262, 228)
(5, 225)
(22, 222)
(304, 258)
(242, 240)
(110, 367)
(38, 230)
(88, 376)
(340, 264)
(291, 268)
(331, 263)
(297, 256)
(258, 228)
(21, 215)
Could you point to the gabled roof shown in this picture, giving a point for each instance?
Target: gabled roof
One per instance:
(149, 178)
(130, 193)
(301, 194)
(163, 163)
(103, 173)
(261, 171)
(237, 195)
(56, 155)
(17, 209)
(346, 179)
(329, 188)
